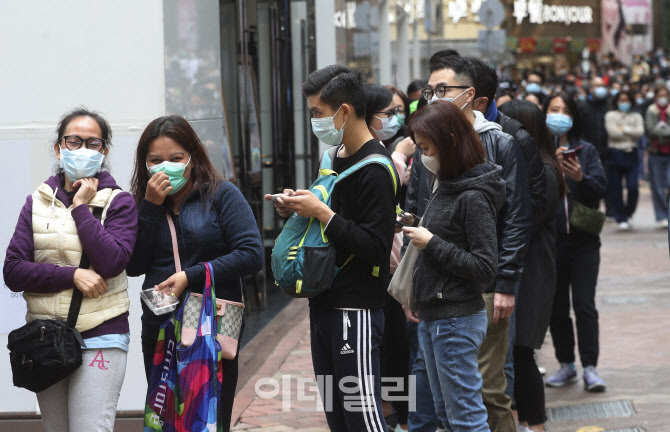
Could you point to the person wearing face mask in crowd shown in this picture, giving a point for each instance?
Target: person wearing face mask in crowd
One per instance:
(657, 120)
(534, 83)
(347, 320)
(577, 251)
(624, 128)
(381, 104)
(599, 103)
(457, 260)
(175, 183)
(453, 79)
(57, 225)
(641, 105)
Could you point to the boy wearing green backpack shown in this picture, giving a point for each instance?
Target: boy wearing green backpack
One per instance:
(347, 320)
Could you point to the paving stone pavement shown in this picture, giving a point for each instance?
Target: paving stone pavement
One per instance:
(633, 299)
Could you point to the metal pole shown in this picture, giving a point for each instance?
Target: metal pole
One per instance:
(403, 59)
(416, 47)
(384, 44)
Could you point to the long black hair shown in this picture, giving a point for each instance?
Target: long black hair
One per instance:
(533, 120)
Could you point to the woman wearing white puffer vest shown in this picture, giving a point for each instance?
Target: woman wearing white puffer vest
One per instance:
(54, 226)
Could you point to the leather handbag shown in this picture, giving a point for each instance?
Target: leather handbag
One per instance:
(229, 314)
(586, 219)
(43, 352)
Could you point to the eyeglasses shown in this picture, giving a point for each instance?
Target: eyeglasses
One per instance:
(440, 91)
(390, 113)
(74, 142)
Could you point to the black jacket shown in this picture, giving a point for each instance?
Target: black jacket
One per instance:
(532, 158)
(225, 234)
(514, 219)
(461, 258)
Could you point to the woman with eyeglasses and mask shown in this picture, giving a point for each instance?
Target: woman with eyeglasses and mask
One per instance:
(174, 178)
(577, 251)
(57, 225)
(624, 128)
(382, 119)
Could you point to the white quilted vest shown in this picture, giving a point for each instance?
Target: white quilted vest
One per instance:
(56, 242)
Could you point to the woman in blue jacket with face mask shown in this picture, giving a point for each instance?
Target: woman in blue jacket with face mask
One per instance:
(577, 251)
(174, 178)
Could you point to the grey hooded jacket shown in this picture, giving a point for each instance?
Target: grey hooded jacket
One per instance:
(461, 258)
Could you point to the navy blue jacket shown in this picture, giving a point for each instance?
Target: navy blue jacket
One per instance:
(223, 233)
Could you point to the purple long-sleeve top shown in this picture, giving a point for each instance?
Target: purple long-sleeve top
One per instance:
(109, 248)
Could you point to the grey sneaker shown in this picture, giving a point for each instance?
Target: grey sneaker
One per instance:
(592, 381)
(567, 374)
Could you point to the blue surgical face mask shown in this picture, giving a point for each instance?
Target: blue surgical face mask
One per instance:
(559, 124)
(581, 97)
(625, 106)
(639, 101)
(614, 92)
(82, 163)
(600, 92)
(401, 120)
(325, 130)
(389, 128)
(533, 88)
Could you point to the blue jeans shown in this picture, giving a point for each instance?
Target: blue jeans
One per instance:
(451, 347)
(423, 419)
(659, 177)
(619, 165)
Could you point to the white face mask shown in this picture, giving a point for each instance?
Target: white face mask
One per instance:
(431, 163)
(389, 128)
(449, 99)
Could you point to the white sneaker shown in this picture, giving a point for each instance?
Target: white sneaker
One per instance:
(624, 226)
(662, 224)
(542, 370)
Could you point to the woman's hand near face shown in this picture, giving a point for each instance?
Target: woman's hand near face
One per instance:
(158, 188)
(406, 147)
(88, 187)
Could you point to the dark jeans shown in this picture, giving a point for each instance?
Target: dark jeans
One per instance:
(528, 387)
(229, 381)
(659, 179)
(577, 265)
(619, 165)
(395, 355)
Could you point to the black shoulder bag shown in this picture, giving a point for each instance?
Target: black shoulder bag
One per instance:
(43, 352)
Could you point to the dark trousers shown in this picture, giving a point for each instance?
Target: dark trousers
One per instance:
(229, 384)
(395, 355)
(622, 165)
(528, 387)
(345, 355)
(577, 265)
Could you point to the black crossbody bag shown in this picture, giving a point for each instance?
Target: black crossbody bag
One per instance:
(43, 352)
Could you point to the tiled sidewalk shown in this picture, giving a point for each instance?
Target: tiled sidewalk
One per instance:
(290, 362)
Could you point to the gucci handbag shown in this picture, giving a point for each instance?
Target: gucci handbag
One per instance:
(43, 352)
(229, 314)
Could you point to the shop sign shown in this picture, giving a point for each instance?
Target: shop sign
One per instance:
(458, 9)
(511, 44)
(346, 19)
(594, 45)
(527, 45)
(577, 45)
(539, 13)
(544, 45)
(560, 45)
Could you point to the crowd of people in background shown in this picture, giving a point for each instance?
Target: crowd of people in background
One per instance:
(567, 145)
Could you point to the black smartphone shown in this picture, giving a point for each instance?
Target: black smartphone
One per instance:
(397, 222)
